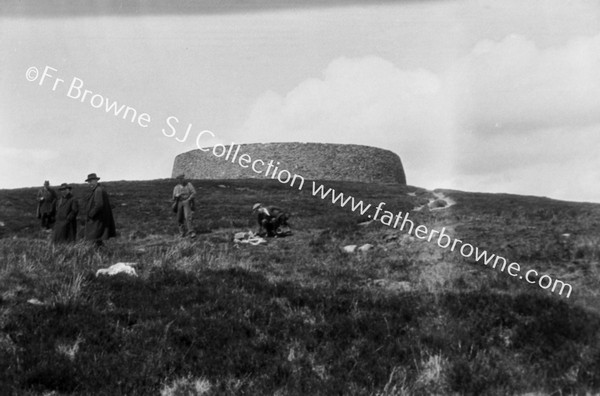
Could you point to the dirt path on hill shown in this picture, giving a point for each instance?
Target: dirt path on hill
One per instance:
(435, 197)
(439, 195)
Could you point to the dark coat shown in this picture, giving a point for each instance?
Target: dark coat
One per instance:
(65, 228)
(99, 223)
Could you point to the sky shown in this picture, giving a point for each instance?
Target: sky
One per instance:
(487, 95)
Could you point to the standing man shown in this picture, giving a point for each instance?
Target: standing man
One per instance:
(65, 229)
(99, 221)
(46, 208)
(183, 205)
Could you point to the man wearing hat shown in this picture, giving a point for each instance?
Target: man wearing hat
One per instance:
(65, 229)
(46, 208)
(183, 204)
(99, 221)
(270, 220)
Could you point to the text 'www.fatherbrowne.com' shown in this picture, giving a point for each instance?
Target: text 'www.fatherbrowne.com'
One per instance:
(403, 223)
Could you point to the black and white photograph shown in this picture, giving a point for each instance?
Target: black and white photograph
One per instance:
(299, 197)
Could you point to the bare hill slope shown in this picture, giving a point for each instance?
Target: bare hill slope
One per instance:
(299, 315)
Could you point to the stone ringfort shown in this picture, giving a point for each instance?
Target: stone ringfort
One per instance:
(313, 161)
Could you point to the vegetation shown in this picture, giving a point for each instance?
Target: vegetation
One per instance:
(299, 316)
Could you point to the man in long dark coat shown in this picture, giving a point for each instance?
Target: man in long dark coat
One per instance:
(99, 223)
(65, 228)
(46, 209)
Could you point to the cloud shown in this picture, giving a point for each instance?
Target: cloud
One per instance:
(514, 86)
(356, 98)
(529, 118)
(506, 114)
(362, 101)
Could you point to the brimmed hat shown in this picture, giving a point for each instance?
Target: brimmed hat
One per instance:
(64, 186)
(256, 206)
(92, 176)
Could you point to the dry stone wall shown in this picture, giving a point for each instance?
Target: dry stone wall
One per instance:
(312, 161)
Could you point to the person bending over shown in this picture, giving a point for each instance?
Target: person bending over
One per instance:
(270, 220)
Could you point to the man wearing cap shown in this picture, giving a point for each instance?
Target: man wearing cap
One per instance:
(99, 221)
(46, 208)
(65, 229)
(183, 205)
(270, 219)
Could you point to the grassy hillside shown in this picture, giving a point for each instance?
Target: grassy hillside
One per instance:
(299, 316)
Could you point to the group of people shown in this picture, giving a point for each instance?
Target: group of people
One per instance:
(59, 214)
(272, 221)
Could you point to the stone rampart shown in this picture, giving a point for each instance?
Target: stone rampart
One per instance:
(312, 161)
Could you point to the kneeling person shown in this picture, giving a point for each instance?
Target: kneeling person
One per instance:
(270, 219)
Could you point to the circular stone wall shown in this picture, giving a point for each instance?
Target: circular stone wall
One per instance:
(312, 161)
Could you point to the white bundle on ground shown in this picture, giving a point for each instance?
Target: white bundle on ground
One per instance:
(248, 237)
(118, 268)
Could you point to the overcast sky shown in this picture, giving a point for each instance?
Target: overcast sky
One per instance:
(495, 96)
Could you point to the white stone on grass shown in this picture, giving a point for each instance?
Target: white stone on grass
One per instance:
(35, 301)
(365, 248)
(349, 249)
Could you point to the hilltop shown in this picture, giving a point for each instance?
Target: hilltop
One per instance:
(300, 316)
